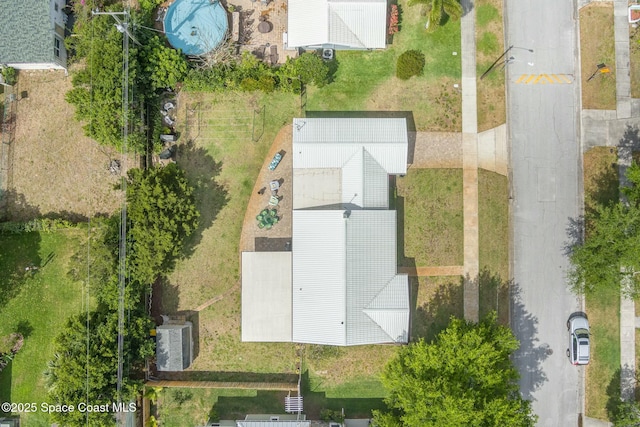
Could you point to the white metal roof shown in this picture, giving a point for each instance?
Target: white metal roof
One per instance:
(319, 245)
(332, 142)
(345, 287)
(275, 423)
(266, 296)
(348, 24)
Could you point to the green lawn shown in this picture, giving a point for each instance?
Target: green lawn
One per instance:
(604, 318)
(493, 231)
(601, 187)
(365, 80)
(38, 307)
(430, 205)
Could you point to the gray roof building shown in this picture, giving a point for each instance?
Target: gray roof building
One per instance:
(32, 34)
(174, 347)
(344, 288)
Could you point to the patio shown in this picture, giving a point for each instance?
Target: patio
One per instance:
(261, 26)
(278, 236)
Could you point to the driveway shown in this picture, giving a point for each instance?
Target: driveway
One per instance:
(546, 193)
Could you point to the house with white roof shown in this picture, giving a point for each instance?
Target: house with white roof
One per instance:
(339, 283)
(337, 24)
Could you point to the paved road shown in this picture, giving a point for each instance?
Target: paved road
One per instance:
(547, 191)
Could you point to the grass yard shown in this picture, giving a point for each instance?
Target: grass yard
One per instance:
(436, 299)
(224, 162)
(493, 230)
(601, 187)
(429, 203)
(51, 156)
(489, 46)
(597, 47)
(604, 318)
(634, 60)
(37, 305)
(366, 80)
(178, 407)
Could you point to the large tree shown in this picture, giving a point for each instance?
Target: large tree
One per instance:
(162, 213)
(437, 9)
(609, 253)
(85, 364)
(463, 378)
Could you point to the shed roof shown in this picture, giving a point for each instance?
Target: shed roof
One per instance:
(266, 296)
(174, 347)
(26, 32)
(346, 24)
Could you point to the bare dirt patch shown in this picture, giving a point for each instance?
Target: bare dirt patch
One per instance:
(55, 169)
(597, 47)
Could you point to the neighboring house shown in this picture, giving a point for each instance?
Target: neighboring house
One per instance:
(32, 34)
(339, 284)
(337, 24)
(266, 420)
(279, 420)
(174, 346)
(10, 422)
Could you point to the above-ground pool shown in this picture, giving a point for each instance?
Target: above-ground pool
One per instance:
(195, 26)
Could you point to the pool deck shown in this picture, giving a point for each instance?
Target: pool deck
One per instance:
(251, 14)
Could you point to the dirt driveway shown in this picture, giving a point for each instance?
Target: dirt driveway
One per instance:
(55, 169)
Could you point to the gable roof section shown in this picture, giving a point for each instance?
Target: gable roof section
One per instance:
(26, 32)
(345, 287)
(350, 24)
(173, 347)
(331, 142)
(278, 423)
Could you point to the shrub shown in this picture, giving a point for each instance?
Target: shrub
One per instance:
(331, 415)
(410, 63)
(9, 75)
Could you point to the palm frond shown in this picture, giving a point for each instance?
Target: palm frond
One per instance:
(435, 14)
(452, 8)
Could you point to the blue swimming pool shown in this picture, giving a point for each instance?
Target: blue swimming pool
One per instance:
(195, 26)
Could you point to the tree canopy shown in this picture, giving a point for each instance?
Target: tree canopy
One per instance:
(609, 252)
(463, 378)
(162, 213)
(437, 9)
(98, 85)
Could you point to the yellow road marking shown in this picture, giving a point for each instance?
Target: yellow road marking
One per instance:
(543, 79)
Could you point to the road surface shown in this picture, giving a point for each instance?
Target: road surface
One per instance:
(546, 167)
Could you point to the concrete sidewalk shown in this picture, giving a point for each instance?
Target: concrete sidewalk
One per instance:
(470, 161)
